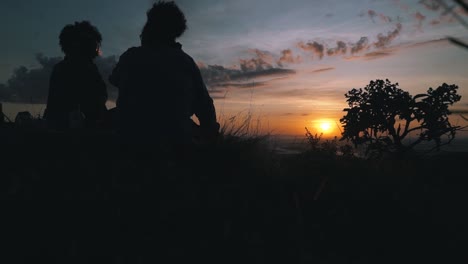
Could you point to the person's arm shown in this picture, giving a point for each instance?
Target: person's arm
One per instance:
(120, 72)
(53, 99)
(203, 105)
(115, 78)
(56, 106)
(101, 88)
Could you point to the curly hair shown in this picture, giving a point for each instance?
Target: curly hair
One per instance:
(165, 22)
(80, 39)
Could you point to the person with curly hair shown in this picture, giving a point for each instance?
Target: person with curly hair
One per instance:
(77, 92)
(160, 85)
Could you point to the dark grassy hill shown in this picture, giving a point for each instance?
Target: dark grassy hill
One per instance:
(79, 197)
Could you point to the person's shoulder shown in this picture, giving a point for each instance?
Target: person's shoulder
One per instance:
(60, 66)
(188, 57)
(132, 51)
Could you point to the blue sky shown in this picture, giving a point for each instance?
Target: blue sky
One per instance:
(292, 60)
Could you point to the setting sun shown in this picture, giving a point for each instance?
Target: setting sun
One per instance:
(325, 126)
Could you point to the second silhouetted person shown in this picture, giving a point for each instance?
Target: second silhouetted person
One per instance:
(160, 86)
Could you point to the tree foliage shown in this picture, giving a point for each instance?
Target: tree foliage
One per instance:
(381, 116)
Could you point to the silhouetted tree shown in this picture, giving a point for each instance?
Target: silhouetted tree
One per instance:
(381, 115)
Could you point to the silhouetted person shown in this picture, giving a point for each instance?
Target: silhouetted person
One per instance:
(160, 86)
(77, 92)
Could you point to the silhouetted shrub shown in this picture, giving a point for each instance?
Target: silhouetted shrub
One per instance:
(381, 116)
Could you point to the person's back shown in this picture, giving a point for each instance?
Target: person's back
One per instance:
(160, 86)
(75, 82)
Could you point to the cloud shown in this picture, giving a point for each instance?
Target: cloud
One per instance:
(432, 5)
(435, 22)
(372, 14)
(419, 19)
(287, 57)
(362, 44)
(340, 49)
(378, 54)
(216, 76)
(262, 60)
(426, 43)
(389, 51)
(316, 48)
(239, 85)
(5, 92)
(264, 73)
(323, 70)
(27, 85)
(385, 40)
(295, 93)
(401, 5)
(385, 19)
(261, 68)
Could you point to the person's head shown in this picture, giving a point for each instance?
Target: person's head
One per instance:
(165, 23)
(80, 39)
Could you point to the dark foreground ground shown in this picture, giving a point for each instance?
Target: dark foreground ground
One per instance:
(79, 198)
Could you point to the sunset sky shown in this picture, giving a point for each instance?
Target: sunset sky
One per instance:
(288, 63)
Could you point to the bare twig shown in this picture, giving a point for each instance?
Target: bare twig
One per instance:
(458, 42)
(449, 9)
(462, 4)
